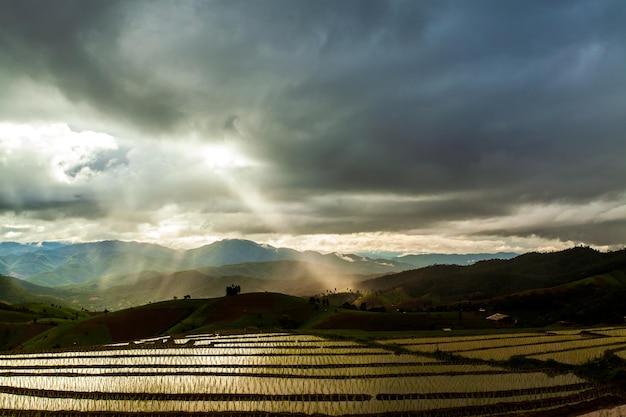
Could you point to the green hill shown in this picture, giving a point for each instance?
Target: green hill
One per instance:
(261, 311)
(249, 311)
(580, 285)
(493, 278)
(21, 322)
(13, 290)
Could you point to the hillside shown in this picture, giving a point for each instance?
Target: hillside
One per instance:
(252, 312)
(14, 248)
(237, 251)
(578, 278)
(21, 322)
(492, 278)
(13, 290)
(246, 311)
(84, 262)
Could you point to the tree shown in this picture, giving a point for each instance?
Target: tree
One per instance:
(233, 290)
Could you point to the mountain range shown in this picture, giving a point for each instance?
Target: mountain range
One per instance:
(55, 264)
(116, 274)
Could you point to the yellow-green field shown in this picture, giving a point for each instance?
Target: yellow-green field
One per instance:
(572, 347)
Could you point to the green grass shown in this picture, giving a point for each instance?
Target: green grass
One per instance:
(8, 316)
(613, 278)
(606, 279)
(29, 324)
(254, 310)
(11, 335)
(56, 311)
(196, 319)
(68, 335)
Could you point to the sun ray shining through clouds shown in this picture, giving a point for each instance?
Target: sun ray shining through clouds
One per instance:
(352, 126)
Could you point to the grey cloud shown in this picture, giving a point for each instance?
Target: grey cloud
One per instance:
(337, 214)
(506, 110)
(71, 44)
(50, 205)
(491, 104)
(223, 56)
(601, 233)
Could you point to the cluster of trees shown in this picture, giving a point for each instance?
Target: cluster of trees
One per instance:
(323, 301)
(233, 290)
(317, 301)
(363, 307)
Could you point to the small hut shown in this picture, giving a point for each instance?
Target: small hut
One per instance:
(501, 320)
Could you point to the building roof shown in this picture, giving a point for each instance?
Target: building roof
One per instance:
(498, 317)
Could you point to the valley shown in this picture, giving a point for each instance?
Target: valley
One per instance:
(564, 310)
(577, 286)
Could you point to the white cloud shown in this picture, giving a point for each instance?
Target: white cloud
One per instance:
(52, 150)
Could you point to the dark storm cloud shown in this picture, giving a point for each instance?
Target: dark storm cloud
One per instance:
(50, 205)
(453, 110)
(605, 233)
(72, 44)
(339, 214)
(487, 103)
(520, 102)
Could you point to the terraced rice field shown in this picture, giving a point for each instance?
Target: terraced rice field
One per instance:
(270, 374)
(569, 347)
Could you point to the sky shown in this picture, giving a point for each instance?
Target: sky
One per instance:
(427, 126)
